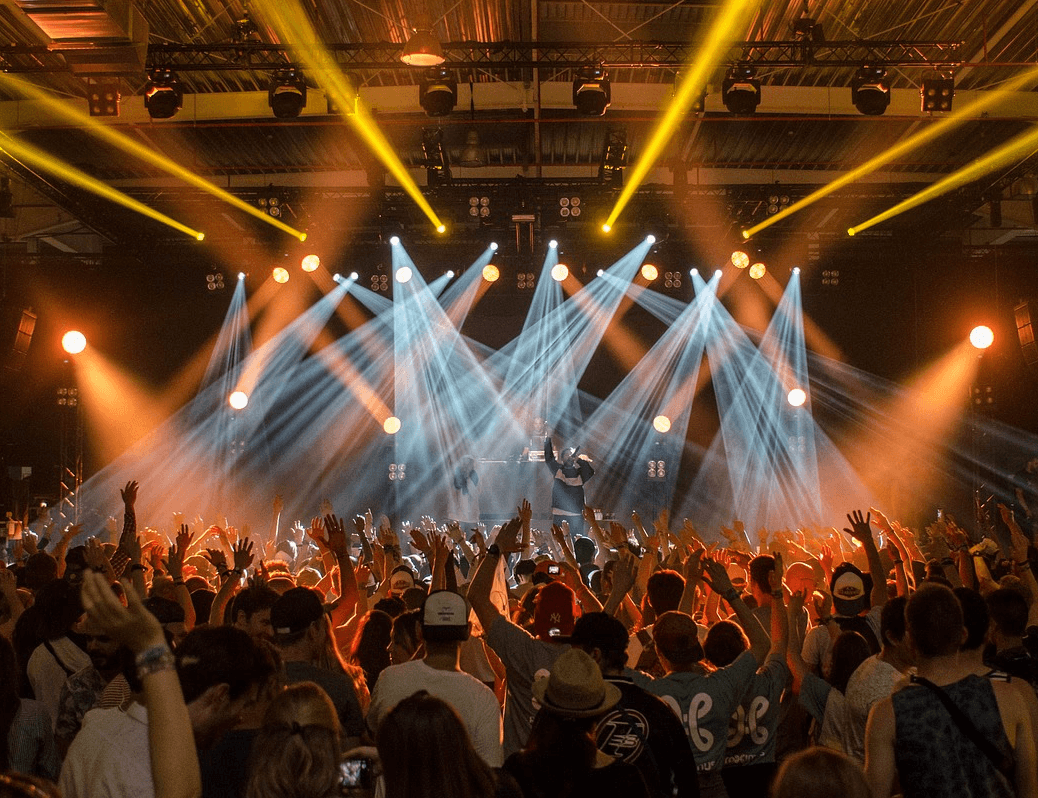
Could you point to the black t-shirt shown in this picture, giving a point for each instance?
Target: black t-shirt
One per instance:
(618, 780)
(643, 731)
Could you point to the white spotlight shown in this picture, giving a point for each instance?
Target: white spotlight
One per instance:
(650, 239)
(337, 278)
(661, 424)
(354, 276)
(982, 337)
(718, 274)
(493, 246)
(553, 243)
(239, 400)
(796, 397)
(450, 274)
(391, 425)
(600, 272)
(796, 270)
(394, 240)
(73, 342)
(241, 275)
(403, 274)
(694, 272)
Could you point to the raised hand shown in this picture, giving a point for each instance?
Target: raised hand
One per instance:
(278, 505)
(218, 560)
(617, 534)
(508, 538)
(421, 541)
(525, 511)
(242, 553)
(625, 573)
(860, 528)
(338, 541)
(823, 602)
(174, 563)
(825, 557)
(692, 568)
(775, 577)
(715, 575)
(129, 494)
(132, 626)
(326, 507)
(796, 603)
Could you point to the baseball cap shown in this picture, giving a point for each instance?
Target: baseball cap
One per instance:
(295, 610)
(850, 590)
(445, 616)
(554, 614)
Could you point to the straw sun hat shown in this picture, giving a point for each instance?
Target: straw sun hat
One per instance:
(575, 688)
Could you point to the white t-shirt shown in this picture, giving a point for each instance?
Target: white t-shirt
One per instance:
(474, 702)
(872, 680)
(46, 675)
(109, 757)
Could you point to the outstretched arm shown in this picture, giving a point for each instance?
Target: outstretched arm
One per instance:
(715, 575)
(507, 541)
(861, 531)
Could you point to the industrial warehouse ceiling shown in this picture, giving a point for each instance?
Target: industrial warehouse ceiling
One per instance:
(514, 63)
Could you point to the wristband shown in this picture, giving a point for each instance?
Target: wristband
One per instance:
(1023, 563)
(154, 660)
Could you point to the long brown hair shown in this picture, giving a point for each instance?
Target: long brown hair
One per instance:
(426, 752)
(296, 753)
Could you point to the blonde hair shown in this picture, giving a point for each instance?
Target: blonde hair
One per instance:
(297, 751)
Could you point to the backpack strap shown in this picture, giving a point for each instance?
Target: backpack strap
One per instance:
(1004, 763)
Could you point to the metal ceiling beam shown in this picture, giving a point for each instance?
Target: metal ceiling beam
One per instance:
(504, 56)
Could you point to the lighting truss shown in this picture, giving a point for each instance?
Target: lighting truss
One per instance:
(505, 56)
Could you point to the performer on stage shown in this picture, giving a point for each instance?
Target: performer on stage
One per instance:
(465, 496)
(567, 491)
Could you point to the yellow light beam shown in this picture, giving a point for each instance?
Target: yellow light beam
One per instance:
(292, 25)
(1013, 150)
(722, 33)
(126, 144)
(928, 134)
(63, 170)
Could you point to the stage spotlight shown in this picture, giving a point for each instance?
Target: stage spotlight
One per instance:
(73, 342)
(740, 90)
(337, 278)
(650, 272)
(661, 424)
(394, 240)
(354, 276)
(606, 228)
(870, 90)
(591, 91)
(600, 273)
(423, 49)
(239, 400)
(491, 273)
(438, 92)
(936, 94)
(757, 270)
(241, 275)
(403, 274)
(310, 263)
(693, 272)
(287, 93)
(740, 260)
(553, 244)
(391, 425)
(796, 397)
(796, 270)
(559, 272)
(441, 229)
(163, 94)
(450, 274)
(280, 274)
(650, 239)
(493, 246)
(718, 274)
(982, 337)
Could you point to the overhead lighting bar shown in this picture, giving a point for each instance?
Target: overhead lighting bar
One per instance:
(126, 144)
(1020, 147)
(292, 24)
(701, 64)
(925, 135)
(48, 163)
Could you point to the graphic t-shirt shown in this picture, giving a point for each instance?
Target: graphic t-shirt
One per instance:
(751, 730)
